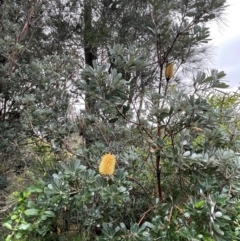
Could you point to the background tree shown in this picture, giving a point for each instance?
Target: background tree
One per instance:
(36, 71)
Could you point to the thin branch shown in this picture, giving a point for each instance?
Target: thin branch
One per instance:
(136, 181)
(145, 213)
(103, 136)
(135, 123)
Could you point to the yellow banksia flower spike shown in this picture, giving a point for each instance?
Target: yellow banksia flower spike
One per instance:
(107, 164)
(169, 71)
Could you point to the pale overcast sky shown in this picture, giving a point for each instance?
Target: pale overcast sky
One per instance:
(227, 41)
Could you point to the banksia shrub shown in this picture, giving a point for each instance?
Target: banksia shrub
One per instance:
(169, 71)
(107, 164)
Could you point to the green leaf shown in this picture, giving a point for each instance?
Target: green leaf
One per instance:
(191, 13)
(31, 212)
(220, 85)
(217, 229)
(24, 226)
(35, 189)
(31, 204)
(211, 16)
(18, 235)
(49, 214)
(7, 225)
(226, 217)
(221, 74)
(207, 80)
(152, 31)
(125, 109)
(13, 217)
(94, 64)
(148, 224)
(44, 217)
(122, 189)
(199, 204)
(113, 120)
(9, 237)
(100, 182)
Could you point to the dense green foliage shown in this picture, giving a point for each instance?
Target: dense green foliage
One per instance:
(177, 149)
(35, 74)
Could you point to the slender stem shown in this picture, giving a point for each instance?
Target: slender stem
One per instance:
(144, 214)
(158, 167)
(159, 187)
(103, 136)
(137, 182)
(135, 123)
